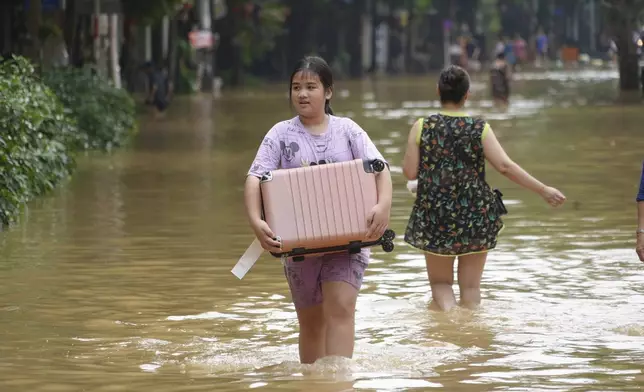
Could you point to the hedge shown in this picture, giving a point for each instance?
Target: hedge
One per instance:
(46, 120)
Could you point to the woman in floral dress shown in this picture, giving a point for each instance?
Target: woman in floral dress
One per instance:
(456, 213)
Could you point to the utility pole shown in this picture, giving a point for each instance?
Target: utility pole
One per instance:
(97, 39)
(593, 27)
(205, 57)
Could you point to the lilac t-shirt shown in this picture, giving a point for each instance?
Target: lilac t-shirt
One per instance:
(289, 145)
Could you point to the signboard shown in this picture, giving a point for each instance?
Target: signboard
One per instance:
(203, 39)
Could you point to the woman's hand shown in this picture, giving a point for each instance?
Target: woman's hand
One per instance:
(378, 220)
(266, 236)
(553, 196)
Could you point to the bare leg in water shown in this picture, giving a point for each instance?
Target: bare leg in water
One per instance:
(339, 317)
(312, 340)
(328, 329)
(440, 271)
(470, 272)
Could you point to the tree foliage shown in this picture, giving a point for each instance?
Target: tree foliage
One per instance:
(105, 114)
(42, 125)
(149, 11)
(624, 11)
(258, 31)
(34, 139)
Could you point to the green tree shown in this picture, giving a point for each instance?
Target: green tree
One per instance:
(149, 11)
(248, 34)
(142, 13)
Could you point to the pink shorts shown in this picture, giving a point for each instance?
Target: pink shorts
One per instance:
(305, 277)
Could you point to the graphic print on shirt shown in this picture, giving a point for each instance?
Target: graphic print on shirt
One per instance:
(305, 162)
(321, 144)
(270, 143)
(300, 148)
(289, 150)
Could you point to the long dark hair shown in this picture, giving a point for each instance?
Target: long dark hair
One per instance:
(318, 66)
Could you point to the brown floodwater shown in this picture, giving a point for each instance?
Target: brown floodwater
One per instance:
(120, 280)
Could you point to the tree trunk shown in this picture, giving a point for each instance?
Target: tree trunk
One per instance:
(300, 31)
(237, 71)
(34, 21)
(622, 19)
(408, 35)
(130, 55)
(354, 42)
(172, 51)
(628, 63)
(375, 20)
(115, 71)
(69, 30)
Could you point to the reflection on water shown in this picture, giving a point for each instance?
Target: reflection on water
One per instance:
(411, 111)
(121, 280)
(581, 75)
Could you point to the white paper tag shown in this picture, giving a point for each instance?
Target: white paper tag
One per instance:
(412, 186)
(248, 259)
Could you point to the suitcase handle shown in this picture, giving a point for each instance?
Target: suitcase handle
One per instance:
(386, 241)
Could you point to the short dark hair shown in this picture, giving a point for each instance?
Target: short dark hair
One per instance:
(453, 84)
(318, 66)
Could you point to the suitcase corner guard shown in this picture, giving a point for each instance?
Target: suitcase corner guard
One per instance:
(373, 165)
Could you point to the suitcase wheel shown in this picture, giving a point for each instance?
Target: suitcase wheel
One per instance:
(388, 246)
(389, 235)
(378, 165)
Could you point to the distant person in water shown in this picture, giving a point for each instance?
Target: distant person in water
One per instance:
(500, 80)
(456, 214)
(639, 248)
(542, 49)
(158, 87)
(520, 51)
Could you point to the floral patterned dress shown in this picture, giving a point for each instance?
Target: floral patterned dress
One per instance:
(455, 212)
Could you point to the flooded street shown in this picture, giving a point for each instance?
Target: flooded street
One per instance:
(121, 281)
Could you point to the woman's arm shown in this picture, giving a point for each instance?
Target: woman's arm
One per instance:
(639, 247)
(252, 200)
(412, 153)
(378, 218)
(640, 195)
(363, 147)
(267, 159)
(385, 187)
(498, 158)
(495, 154)
(640, 203)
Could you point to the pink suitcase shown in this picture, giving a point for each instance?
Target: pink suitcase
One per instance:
(323, 208)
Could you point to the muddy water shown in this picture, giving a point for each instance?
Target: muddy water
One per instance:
(121, 280)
